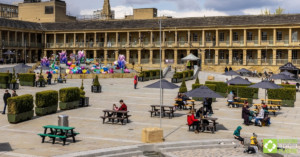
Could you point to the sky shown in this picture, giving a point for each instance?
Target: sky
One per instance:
(182, 8)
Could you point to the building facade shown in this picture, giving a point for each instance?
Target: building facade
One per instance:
(8, 11)
(260, 43)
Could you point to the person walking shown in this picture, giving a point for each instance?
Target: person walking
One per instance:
(5, 97)
(14, 93)
(246, 113)
(210, 110)
(135, 81)
(49, 77)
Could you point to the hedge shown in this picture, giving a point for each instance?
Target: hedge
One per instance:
(288, 86)
(69, 94)
(149, 73)
(282, 94)
(221, 87)
(186, 74)
(210, 86)
(243, 91)
(20, 104)
(46, 98)
(9, 75)
(4, 79)
(27, 79)
(183, 88)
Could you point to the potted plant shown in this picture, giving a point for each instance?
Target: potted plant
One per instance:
(69, 98)
(41, 81)
(96, 87)
(84, 101)
(141, 76)
(13, 83)
(183, 88)
(46, 102)
(20, 108)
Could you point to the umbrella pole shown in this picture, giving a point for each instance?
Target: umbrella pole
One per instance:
(160, 58)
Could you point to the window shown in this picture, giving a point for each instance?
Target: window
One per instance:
(294, 54)
(235, 36)
(295, 36)
(279, 35)
(195, 37)
(48, 9)
(222, 36)
(208, 36)
(249, 36)
(264, 36)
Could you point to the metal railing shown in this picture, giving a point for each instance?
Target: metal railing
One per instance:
(111, 44)
(156, 44)
(267, 42)
(145, 61)
(70, 44)
(223, 61)
(89, 44)
(209, 61)
(100, 44)
(59, 45)
(134, 44)
(251, 61)
(281, 61)
(282, 42)
(238, 43)
(266, 61)
(182, 43)
(224, 43)
(296, 61)
(254, 42)
(237, 62)
(79, 44)
(156, 61)
(170, 43)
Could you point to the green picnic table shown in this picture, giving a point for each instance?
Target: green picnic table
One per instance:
(60, 132)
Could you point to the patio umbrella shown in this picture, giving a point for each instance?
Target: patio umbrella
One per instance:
(266, 85)
(280, 77)
(22, 68)
(163, 84)
(203, 92)
(8, 53)
(231, 73)
(243, 70)
(190, 57)
(287, 73)
(239, 80)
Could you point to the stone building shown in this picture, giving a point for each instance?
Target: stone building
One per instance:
(8, 11)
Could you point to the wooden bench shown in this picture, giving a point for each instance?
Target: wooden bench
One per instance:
(63, 80)
(112, 115)
(270, 111)
(156, 110)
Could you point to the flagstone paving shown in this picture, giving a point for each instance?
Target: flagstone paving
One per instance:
(22, 139)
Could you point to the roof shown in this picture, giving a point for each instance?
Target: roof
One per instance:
(20, 24)
(289, 66)
(216, 21)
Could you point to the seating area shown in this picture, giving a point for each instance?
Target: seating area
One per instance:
(115, 116)
(166, 110)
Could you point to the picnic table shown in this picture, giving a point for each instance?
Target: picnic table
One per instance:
(271, 108)
(60, 132)
(156, 109)
(213, 127)
(113, 115)
(190, 103)
(272, 101)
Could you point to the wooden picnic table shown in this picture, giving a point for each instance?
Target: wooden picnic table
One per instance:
(213, 120)
(156, 109)
(61, 132)
(113, 115)
(271, 108)
(192, 105)
(272, 101)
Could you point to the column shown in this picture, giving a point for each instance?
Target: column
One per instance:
(29, 56)
(128, 39)
(105, 57)
(1, 51)
(84, 39)
(245, 37)
(116, 55)
(259, 57)
(230, 39)
(203, 37)
(45, 53)
(188, 52)
(140, 38)
(216, 57)
(127, 56)
(29, 39)
(217, 37)
(163, 38)
(290, 55)
(74, 40)
(245, 57)
(65, 38)
(230, 56)
(274, 38)
(105, 39)
(95, 39)
(151, 56)
(45, 40)
(8, 39)
(175, 56)
(16, 39)
(23, 38)
(199, 53)
(163, 56)
(151, 38)
(139, 56)
(290, 36)
(95, 54)
(189, 38)
(54, 40)
(203, 56)
(274, 57)
(176, 43)
(117, 39)
(259, 37)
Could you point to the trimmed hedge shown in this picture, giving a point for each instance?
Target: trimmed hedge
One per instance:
(287, 86)
(221, 87)
(183, 88)
(184, 74)
(210, 86)
(7, 74)
(4, 79)
(27, 79)
(150, 73)
(46, 98)
(243, 91)
(282, 94)
(20, 104)
(69, 94)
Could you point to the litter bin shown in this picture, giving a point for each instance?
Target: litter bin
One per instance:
(63, 120)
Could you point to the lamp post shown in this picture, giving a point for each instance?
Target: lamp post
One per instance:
(160, 77)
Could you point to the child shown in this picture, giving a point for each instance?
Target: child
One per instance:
(237, 134)
(115, 108)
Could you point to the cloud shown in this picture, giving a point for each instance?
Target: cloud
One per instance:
(120, 11)
(200, 13)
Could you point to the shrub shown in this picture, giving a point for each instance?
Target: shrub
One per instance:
(157, 72)
(147, 73)
(282, 94)
(243, 91)
(142, 74)
(96, 82)
(194, 86)
(197, 81)
(69, 94)
(211, 86)
(26, 78)
(183, 88)
(288, 86)
(9, 75)
(82, 92)
(4, 79)
(20, 104)
(46, 98)
(13, 79)
(185, 74)
(191, 73)
(221, 87)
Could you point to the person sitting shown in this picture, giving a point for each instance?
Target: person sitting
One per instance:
(179, 101)
(201, 112)
(115, 108)
(252, 149)
(123, 106)
(184, 99)
(193, 122)
(237, 135)
(230, 99)
(264, 106)
(260, 116)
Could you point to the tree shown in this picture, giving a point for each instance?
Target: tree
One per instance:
(96, 82)
(279, 11)
(82, 92)
(197, 81)
(13, 78)
(183, 88)
(265, 12)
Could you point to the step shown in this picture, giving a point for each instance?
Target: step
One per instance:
(125, 154)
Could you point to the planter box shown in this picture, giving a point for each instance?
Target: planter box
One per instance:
(16, 118)
(68, 105)
(31, 84)
(14, 86)
(143, 79)
(176, 80)
(96, 89)
(45, 110)
(4, 86)
(40, 84)
(84, 102)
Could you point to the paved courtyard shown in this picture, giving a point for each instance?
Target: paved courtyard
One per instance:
(22, 139)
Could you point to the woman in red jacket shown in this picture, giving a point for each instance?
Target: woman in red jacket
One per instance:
(192, 121)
